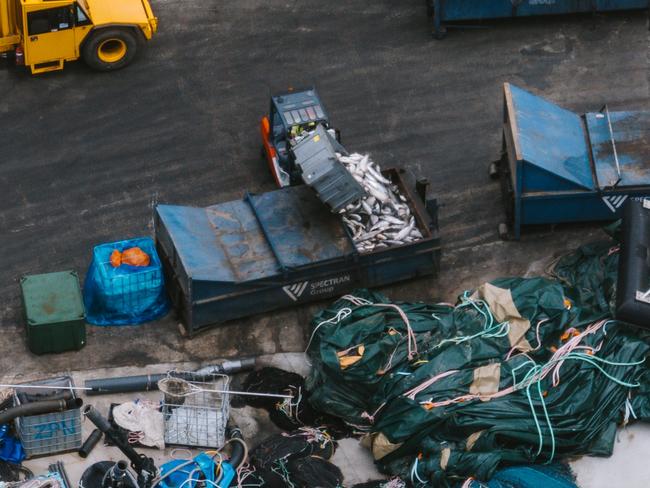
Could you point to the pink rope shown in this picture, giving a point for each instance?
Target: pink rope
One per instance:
(539, 342)
(553, 366)
(423, 386)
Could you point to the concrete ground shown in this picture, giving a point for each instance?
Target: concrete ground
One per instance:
(87, 155)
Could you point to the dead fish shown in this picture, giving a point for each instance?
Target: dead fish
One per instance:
(378, 193)
(381, 225)
(378, 176)
(393, 220)
(406, 230)
(382, 218)
(366, 206)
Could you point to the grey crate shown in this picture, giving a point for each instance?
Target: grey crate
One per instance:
(42, 435)
(199, 419)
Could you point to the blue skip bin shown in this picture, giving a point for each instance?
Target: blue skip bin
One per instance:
(443, 11)
(124, 295)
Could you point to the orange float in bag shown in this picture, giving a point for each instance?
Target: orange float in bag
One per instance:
(116, 258)
(133, 256)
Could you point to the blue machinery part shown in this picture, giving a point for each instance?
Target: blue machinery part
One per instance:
(557, 166)
(289, 112)
(444, 11)
(196, 472)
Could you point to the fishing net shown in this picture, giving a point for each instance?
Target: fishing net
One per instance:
(314, 472)
(392, 483)
(289, 414)
(272, 457)
(285, 446)
(271, 380)
(518, 371)
(13, 472)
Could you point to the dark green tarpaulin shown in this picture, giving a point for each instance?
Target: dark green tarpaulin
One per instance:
(520, 371)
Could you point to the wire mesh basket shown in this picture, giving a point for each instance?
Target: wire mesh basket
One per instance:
(195, 412)
(42, 435)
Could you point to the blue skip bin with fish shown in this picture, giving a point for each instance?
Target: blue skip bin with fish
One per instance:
(283, 248)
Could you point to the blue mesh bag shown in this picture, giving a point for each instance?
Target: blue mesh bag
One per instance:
(124, 295)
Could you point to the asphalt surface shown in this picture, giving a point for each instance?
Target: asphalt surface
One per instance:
(86, 155)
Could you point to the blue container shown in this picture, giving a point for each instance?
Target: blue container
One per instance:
(443, 11)
(125, 294)
(277, 249)
(558, 166)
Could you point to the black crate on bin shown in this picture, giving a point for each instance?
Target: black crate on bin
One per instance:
(42, 435)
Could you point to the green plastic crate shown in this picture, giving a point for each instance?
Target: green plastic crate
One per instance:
(54, 312)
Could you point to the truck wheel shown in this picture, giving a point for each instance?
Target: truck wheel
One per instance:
(110, 49)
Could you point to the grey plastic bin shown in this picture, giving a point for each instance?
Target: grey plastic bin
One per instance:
(42, 435)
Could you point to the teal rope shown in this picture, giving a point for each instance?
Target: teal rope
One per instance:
(536, 369)
(500, 330)
(593, 361)
(490, 329)
(476, 304)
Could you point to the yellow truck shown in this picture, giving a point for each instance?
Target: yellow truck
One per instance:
(44, 34)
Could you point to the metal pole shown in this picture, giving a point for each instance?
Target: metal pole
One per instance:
(611, 134)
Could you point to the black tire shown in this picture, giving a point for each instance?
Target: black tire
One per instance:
(110, 49)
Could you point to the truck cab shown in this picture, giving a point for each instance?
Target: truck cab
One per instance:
(292, 116)
(46, 33)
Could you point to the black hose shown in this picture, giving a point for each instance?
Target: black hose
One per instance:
(38, 408)
(90, 443)
(237, 452)
(148, 382)
(143, 465)
(102, 424)
(125, 384)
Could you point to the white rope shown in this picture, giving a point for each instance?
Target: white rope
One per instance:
(341, 315)
(412, 340)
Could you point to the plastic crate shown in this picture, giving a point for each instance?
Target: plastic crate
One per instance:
(42, 435)
(198, 419)
(54, 312)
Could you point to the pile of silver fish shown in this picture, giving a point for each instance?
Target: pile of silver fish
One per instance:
(383, 218)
